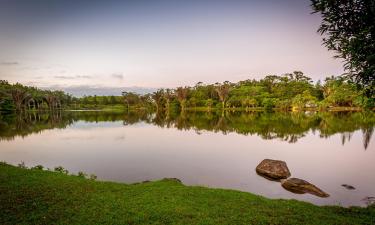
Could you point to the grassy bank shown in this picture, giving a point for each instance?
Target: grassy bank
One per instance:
(44, 197)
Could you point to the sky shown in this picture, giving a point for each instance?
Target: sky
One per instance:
(104, 47)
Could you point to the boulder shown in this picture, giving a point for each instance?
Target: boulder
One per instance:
(273, 169)
(300, 186)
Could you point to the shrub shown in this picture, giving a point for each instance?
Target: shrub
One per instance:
(269, 103)
(93, 177)
(22, 165)
(37, 167)
(81, 174)
(61, 169)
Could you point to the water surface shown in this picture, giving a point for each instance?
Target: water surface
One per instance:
(208, 149)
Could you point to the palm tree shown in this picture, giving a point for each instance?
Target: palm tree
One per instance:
(52, 101)
(157, 97)
(125, 98)
(19, 97)
(168, 95)
(223, 91)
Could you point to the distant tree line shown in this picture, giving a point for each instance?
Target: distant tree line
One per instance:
(291, 91)
(18, 97)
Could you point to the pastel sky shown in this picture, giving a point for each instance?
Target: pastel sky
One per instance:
(111, 45)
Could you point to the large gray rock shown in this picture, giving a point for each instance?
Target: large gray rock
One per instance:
(300, 186)
(273, 169)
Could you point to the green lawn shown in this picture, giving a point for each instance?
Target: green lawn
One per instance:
(43, 197)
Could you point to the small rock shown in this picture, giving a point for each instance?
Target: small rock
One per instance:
(273, 169)
(349, 187)
(300, 186)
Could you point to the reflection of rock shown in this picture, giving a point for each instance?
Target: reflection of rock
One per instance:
(349, 187)
(273, 169)
(300, 186)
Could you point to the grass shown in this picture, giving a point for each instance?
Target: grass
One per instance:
(45, 197)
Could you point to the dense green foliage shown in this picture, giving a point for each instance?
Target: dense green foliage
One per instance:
(19, 97)
(43, 197)
(290, 91)
(284, 126)
(349, 29)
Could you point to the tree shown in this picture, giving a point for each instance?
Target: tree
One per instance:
(181, 94)
(303, 100)
(223, 91)
(209, 103)
(85, 100)
(95, 101)
(168, 95)
(248, 102)
(19, 96)
(112, 100)
(130, 98)
(349, 26)
(338, 92)
(157, 96)
(269, 103)
(104, 100)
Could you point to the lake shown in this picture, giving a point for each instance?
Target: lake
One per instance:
(213, 149)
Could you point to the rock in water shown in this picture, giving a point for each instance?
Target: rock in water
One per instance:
(300, 186)
(273, 169)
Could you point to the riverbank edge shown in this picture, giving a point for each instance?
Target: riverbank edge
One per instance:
(32, 196)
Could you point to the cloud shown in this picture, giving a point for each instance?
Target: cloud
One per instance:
(118, 76)
(84, 76)
(73, 77)
(9, 63)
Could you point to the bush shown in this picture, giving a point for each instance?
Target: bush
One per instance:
(93, 177)
(22, 165)
(81, 174)
(37, 167)
(61, 169)
(284, 104)
(269, 103)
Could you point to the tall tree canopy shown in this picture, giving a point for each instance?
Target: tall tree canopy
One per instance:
(349, 29)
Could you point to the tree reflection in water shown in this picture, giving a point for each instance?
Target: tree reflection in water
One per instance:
(288, 127)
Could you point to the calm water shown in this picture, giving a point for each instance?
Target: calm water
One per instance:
(208, 149)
